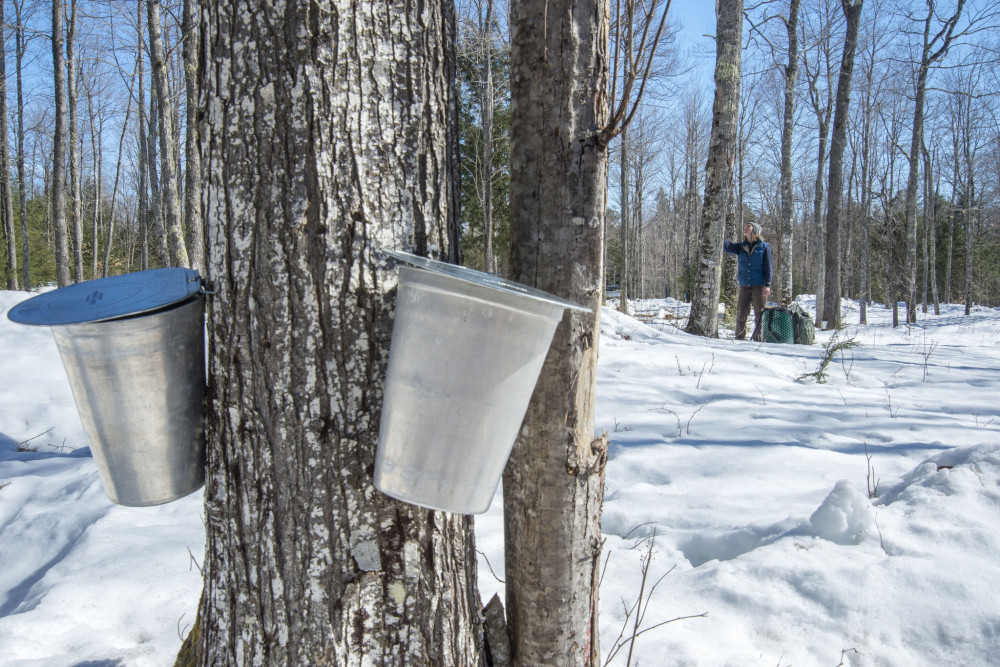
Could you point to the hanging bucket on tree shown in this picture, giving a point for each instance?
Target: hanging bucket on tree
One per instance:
(467, 349)
(134, 350)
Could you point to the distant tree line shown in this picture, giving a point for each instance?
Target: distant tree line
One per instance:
(916, 218)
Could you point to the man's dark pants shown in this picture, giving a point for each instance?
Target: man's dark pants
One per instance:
(749, 295)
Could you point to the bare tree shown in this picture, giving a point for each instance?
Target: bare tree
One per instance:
(872, 86)
(6, 195)
(193, 224)
(172, 219)
(932, 49)
(72, 98)
(58, 188)
(118, 172)
(143, 212)
(19, 49)
(838, 144)
(703, 320)
(638, 35)
(968, 125)
(790, 72)
(820, 74)
(931, 190)
(481, 37)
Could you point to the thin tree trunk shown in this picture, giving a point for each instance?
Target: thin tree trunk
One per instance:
(97, 167)
(703, 320)
(172, 220)
(153, 149)
(553, 485)
(928, 228)
(791, 70)
(867, 176)
(142, 215)
(838, 144)
(307, 564)
(6, 195)
(625, 213)
(970, 206)
(72, 95)
(193, 222)
(487, 104)
(934, 190)
(823, 120)
(928, 58)
(58, 187)
(118, 172)
(21, 176)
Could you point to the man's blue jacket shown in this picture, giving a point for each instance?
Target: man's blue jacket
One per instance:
(754, 261)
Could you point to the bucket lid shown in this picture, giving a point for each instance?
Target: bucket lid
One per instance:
(108, 298)
(485, 279)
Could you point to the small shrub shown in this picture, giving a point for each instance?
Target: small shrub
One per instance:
(830, 350)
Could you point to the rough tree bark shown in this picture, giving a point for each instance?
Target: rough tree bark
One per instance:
(719, 168)
(326, 137)
(554, 482)
(838, 144)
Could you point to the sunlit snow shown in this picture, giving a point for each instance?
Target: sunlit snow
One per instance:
(786, 521)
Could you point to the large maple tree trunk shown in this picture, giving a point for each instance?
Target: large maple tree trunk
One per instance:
(326, 137)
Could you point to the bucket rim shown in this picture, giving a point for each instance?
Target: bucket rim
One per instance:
(487, 280)
(111, 298)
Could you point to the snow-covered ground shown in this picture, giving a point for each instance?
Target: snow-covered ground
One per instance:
(741, 489)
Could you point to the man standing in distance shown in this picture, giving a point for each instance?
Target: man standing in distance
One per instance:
(754, 276)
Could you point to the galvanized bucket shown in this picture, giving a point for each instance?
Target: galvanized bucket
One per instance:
(137, 375)
(466, 352)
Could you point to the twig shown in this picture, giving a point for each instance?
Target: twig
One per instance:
(872, 489)
(842, 396)
(669, 411)
(489, 565)
(928, 351)
(694, 413)
(195, 562)
(888, 400)
(843, 652)
(679, 618)
(763, 396)
(881, 542)
(21, 445)
(697, 384)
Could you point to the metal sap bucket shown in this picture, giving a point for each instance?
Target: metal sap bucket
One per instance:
(134, 350)
(466, 352)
